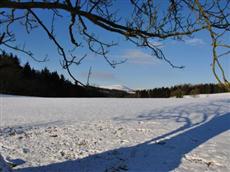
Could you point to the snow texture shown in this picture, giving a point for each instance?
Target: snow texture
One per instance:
(116, 135)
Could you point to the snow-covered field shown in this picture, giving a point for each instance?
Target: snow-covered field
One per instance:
(115, 135)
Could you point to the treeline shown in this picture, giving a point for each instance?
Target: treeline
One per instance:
(181, 90)
(24, 80)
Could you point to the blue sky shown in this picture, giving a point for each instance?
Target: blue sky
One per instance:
(142, 70)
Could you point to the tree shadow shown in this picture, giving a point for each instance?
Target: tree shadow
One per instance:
(160, 154)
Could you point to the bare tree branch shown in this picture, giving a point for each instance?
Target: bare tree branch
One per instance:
(148, 20)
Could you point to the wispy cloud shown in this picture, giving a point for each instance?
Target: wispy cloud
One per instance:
(100, 75)
(157, 44)
(194, 41)
(139, 57)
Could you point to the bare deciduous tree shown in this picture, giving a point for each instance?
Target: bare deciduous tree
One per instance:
(148, 20)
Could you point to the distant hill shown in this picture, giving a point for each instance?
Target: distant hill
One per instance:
(119, 87)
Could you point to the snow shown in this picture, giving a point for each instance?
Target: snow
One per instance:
(116, 135)
(118, 87)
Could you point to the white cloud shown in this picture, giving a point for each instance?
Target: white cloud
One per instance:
(194, 41)
(156, 44)
(139, 57)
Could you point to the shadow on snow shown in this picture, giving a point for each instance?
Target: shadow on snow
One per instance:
(163, 153)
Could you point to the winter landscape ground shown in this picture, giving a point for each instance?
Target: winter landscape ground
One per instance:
(115, 135)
